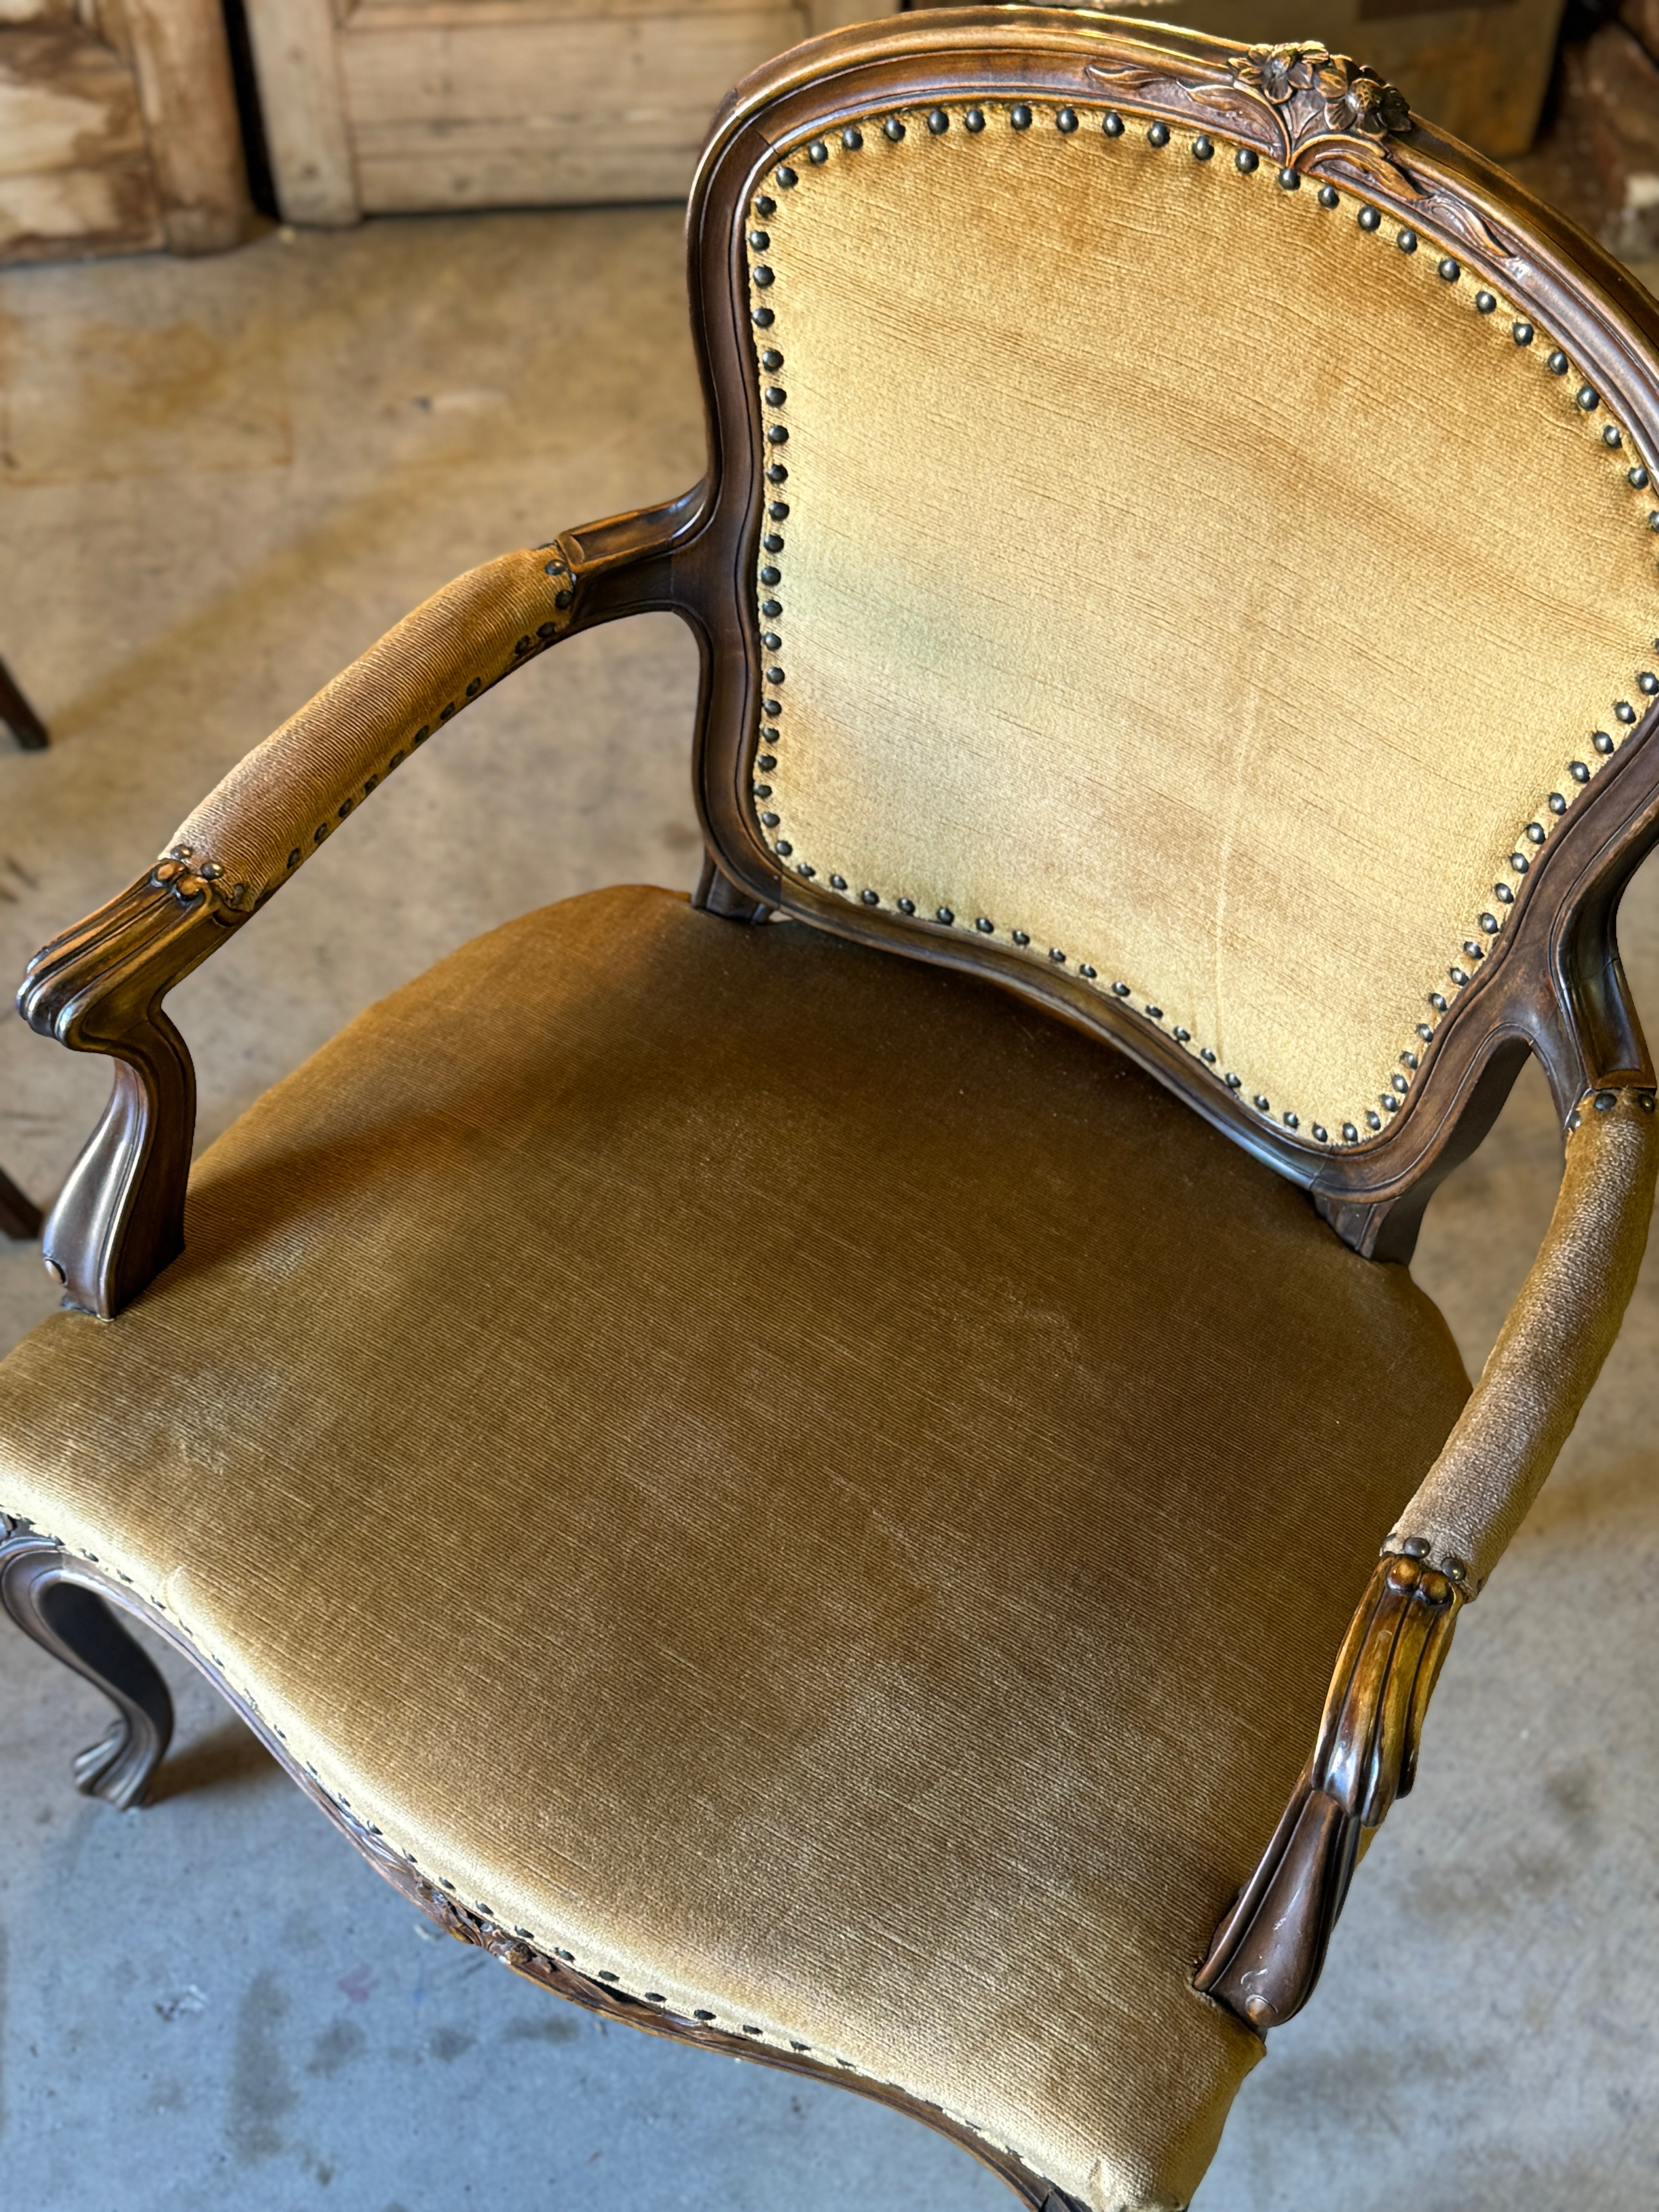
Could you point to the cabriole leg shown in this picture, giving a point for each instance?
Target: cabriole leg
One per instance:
(38, 1589)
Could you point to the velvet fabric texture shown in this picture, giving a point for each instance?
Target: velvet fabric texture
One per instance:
(1181, 575)
(795, 1478)
(1551, 1348)
(265, 819)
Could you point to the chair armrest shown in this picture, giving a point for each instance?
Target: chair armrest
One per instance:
(280, 801)
(1550, 1349)
(1266, 1955)
(119, 1218)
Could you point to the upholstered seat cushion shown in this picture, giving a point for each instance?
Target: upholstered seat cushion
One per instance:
(787, 1473)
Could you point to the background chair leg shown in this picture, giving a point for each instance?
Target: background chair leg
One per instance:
(18, 715)
(76, 1625)
(19, 1216)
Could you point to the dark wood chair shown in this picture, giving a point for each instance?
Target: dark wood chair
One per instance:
(852, 1471)
(20, 1216)
(19, 717)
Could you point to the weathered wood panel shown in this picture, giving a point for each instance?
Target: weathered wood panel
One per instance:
(181, 60)
(65, 101)
(120, 135)
(398, 105)
(75, 169)
(39, 13)
(294, 53)
(55, 213)
(459, 114)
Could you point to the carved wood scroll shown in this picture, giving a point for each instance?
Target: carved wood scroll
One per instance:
(1266, 1954)
(120, 1219)
(99, 988)
(1310, 110)
(1301, 95)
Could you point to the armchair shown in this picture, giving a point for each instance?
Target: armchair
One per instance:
(816, 1469)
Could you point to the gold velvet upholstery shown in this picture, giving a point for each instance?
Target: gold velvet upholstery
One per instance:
(266, 817)
(793, 1477)
(1550, 1347)
(1180, 574)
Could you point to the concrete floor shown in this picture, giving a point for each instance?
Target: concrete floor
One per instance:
(218, 481)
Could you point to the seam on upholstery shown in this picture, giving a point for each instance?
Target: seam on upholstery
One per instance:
(710, 2013)
(1615, 443)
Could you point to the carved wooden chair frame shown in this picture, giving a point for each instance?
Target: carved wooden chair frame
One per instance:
(1546, 979)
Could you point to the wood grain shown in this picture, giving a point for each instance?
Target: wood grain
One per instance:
(66, 102)
(450, 114)
(181, 62)
(74, 167)
(295, 56)
(120, 134)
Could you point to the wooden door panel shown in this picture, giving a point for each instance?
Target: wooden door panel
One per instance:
(457, 114)
(117, 132)
(74, 167)
(400, 105)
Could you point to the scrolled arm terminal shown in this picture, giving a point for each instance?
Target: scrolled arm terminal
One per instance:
(1266, 1955)
(100, 988)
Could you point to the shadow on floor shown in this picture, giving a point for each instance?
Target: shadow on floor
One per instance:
(226, 1757)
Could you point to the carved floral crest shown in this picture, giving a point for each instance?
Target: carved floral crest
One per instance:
(1317, 111)
(1317, 91)
(1311, 94)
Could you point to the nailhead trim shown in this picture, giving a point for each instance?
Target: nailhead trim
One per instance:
(523, 649)
(11, 1524)
(1585, 402)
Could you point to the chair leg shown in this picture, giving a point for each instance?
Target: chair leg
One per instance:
(20, 1216)
(76, 1625)
(717, 894)
(18, 715)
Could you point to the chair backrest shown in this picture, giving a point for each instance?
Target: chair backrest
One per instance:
(1189, 552)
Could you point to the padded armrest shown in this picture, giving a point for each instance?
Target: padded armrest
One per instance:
(1266, 1955)
(1551, 1348)
(119, 1218)
(282, 799)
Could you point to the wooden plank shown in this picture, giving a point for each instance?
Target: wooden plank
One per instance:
(476, 15)
(468, 167)
(294, 58)
(545, 113)
(596, 75)
(181, 59)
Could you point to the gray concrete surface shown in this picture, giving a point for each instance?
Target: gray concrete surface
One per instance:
(217, 482)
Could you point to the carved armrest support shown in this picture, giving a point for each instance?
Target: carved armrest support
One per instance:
(1266, 1954)
(120, 1219)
